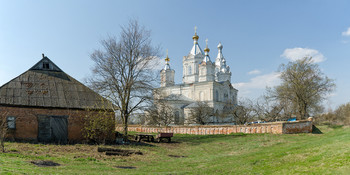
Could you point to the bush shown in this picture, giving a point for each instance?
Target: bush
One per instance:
(99, 127)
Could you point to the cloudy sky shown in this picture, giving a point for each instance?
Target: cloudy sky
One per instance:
(257, 36)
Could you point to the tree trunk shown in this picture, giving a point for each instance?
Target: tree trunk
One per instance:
(2, 145)
(125, 134)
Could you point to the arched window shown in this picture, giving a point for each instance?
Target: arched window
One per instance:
(201, 96)
(189, 70)
(216, 95)
(177, 117)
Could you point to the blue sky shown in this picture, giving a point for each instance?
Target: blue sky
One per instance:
(257, 35)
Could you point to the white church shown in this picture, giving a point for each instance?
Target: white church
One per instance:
(203, 80)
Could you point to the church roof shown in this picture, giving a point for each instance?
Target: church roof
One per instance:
(192, 105)
(178, 97)
(196, 49)
(46, 85)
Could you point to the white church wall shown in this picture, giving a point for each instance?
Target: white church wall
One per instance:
(202, 81)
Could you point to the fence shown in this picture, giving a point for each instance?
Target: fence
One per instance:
(274, 128)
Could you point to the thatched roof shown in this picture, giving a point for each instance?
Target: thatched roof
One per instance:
(46, 85)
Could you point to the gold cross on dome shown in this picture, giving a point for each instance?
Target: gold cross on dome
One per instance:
(167, 58)
(195, 29)
(206, 41)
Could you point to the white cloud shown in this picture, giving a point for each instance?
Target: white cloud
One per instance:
(254, 72)
(257, 84)
(299, 53)
(346, 33)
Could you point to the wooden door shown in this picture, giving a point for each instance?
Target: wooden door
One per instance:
(44, 129)
(59, 129)
(53, 129)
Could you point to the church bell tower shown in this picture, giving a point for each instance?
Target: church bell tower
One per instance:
(206, 67)
(167, 74)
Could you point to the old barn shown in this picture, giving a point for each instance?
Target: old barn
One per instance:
(47, 105)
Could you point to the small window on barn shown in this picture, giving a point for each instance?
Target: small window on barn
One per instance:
(11, 122)
(46, 65)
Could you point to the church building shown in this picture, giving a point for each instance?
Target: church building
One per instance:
(203, 80)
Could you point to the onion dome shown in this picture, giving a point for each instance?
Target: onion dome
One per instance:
(220, 46)
(206, 51)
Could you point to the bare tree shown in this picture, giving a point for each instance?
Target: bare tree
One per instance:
(160, 113)
(201, 113)
(3, 129)
(244, 111)
(303, 87)
(269, 110)
(124, 70)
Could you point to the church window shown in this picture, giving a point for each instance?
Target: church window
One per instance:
(177, 117)
(189, 70)
(225, 97)
(216, 95)
(201, 96)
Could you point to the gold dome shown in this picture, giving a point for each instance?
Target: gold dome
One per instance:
(206, 49)
(195, 36)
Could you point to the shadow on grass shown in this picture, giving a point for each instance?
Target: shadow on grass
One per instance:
(199, 139)
(136, 143)
(315, 130)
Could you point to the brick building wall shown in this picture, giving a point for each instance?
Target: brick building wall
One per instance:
(274, 128)
(27, 121)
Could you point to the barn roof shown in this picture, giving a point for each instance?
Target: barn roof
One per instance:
(46, 85)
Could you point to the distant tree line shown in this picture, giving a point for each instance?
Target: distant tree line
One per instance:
(340, 116)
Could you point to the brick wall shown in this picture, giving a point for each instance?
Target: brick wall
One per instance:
(275, 128)
(27, 122)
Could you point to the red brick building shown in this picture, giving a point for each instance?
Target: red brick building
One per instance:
(47, 105)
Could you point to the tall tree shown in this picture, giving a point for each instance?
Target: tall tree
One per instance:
(124, 70)
(303, 87)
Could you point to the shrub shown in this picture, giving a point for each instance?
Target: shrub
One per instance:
(99, 127)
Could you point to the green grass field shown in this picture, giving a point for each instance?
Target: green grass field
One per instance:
(327, 153)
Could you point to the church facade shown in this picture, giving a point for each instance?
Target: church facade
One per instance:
(203, 81)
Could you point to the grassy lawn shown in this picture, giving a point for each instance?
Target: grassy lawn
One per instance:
(327, 153)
